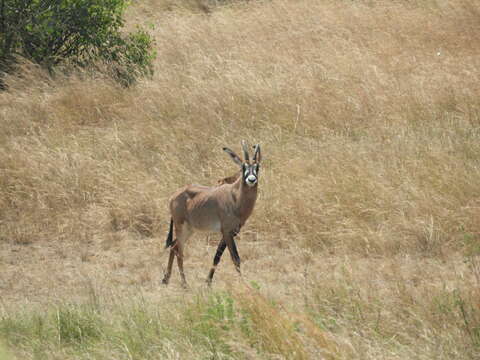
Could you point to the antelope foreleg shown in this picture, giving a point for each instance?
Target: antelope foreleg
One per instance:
(216, 260)
(232, 248)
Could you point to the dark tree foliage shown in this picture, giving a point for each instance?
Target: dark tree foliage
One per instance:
(80, 32)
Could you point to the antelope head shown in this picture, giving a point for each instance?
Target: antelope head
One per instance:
(249, 170)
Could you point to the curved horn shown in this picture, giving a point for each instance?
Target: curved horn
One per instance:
(245, 151)
(257, 156)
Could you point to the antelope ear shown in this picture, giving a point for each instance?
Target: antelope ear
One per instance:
(257, 157)
(234, 156)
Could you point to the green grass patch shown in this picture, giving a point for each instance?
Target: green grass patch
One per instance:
(213, 325)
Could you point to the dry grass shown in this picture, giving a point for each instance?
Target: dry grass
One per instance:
(367, 225)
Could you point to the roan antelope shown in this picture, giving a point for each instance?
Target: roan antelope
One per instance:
(223, 208)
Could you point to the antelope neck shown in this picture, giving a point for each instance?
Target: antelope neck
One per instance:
(245, 198)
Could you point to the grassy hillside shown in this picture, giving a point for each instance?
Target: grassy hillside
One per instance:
(364, 243)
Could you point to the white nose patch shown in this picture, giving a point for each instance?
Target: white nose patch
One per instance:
(251, 179)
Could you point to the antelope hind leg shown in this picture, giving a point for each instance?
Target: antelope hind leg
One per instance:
(166, 278)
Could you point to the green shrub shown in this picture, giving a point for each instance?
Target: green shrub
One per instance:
(79, 32)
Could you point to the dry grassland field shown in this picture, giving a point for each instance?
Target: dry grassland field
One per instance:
(365, 239)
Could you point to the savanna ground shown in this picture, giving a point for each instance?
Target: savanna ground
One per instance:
(365, 240)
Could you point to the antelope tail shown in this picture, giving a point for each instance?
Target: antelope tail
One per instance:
(170, 241)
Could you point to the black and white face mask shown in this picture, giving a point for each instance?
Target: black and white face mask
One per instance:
(250, 174)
